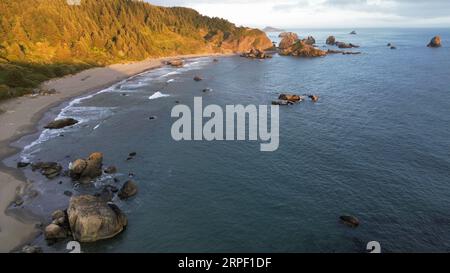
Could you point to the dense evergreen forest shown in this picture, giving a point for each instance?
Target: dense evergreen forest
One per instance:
(42, 39)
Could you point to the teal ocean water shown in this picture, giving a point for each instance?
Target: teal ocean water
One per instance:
(376, 145)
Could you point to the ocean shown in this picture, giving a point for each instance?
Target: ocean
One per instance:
(375, 146)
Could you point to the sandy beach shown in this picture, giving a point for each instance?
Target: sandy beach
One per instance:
(20, 118)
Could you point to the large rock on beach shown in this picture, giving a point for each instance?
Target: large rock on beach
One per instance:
(55, 232)
(86, 170)
(61, 123)
(435, 42)
(92, 219)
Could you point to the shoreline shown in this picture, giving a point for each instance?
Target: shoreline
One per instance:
(21, 118)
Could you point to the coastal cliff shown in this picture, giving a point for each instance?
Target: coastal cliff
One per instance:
(44, 39)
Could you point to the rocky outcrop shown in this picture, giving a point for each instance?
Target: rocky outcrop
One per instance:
(86, 170)
(309, 40)
(176, 63)
(301, 49)
(242, 41)
(128, 190)
(48, 169)
(197, 78)
(353, 32)
(331, 40)
(350, 221)
(255, 53)
(435, 42)
(92, 219)
(288, 39)
(61, 123)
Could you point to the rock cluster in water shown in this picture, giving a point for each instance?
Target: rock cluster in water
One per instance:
(85, 170)
(302, 49)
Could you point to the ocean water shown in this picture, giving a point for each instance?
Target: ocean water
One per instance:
(376, 145)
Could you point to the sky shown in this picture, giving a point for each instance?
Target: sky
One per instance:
(323, 13)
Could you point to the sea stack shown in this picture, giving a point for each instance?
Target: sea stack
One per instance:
(435, 42)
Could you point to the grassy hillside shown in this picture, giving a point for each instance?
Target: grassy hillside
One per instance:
(42, 39)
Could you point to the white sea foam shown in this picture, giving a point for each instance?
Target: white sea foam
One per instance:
(158, 95)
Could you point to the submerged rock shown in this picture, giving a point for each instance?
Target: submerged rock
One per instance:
(92, 219)
(255, 53)
(435, 42)
(68, 193)
(330, 51)
(197, 79)
(288, 39)
(301, 49)
(282, 102)
(314, 98)
(350, 221)
(31, 249)
(128, 190)
(309, 40)
(346, 45)
(61, 123)
(353, 32)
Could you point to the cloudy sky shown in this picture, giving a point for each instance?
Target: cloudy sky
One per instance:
(324, 13)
